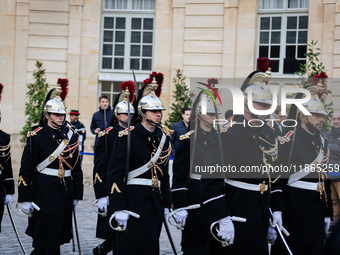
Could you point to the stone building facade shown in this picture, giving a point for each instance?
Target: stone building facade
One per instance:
(94, 43)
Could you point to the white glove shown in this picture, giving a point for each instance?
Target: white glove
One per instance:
(277, 219)
(166, 213)
(181, 216)
(122, 218)
(227, 230)
(9, 200)
(271, 236)
(28, 207)
(327, 223)
(102, 204)
(75, 203)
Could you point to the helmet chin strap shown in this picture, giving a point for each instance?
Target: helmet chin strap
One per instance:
(144, 117)
(312, 128)
(206, 122)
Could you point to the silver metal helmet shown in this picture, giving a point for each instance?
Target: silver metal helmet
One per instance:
(55, 104)
(150, 101)
(210, 106)
(122, 105)
(259, 88)
(314, 105)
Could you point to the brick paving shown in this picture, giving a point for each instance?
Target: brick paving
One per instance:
(86, 219)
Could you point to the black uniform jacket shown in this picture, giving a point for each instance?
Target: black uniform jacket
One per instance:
(52, 225)
(6, 178)
(141, 234)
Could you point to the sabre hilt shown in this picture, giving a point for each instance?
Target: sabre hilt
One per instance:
(94, 206)
(214, 226)
(30, 214)
(120, 227)
(179, 225)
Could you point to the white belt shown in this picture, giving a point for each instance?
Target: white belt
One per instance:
(54, 172)
(244, 185)
(195, 176)
(140, 181)
(304, 185)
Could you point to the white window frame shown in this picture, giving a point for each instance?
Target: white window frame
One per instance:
(284, 14)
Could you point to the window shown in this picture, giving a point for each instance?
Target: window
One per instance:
(283, 30)
(127, 38)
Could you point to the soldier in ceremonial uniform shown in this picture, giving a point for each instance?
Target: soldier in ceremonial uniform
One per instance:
(6, 173)
(51, 177)
(106, 140)
(186, 189)
(245, 195)
(307, 193)
(144, 189)
(79, 128)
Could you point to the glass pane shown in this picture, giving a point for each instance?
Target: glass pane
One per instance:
(108, 36)
(149, 4)
(147, 37)
(265, 23)
(275, 51)
(106, 86)
(293, 3)
(120, 36)
(134, 64)
(108, 22)
(120, 23)
(107, 49)
(107, 63)
(264, 37)
(119, 63)
(275, 67)
(302, 37)
(147, 51)
(137, 4)
(136, 23)
(146, 64)
(291, 37)
(290, 51)
(135, 50)
(109, 4)
(119, 50)
(276, 23)
(275, 37)
(135, 37)
(303, 22)
(121, 4)
(289, 66)
(304, 3)
(291, 22)
(277, 4)
(266, 4)
(263, 52)
(148, 24)
(116, 87)
(302, 50)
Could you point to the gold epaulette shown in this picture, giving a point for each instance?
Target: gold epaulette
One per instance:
(225, 128)
(286, 138)
(106, 131)
(125, 132)
(187, 135)
(167, 131)
(34, 132)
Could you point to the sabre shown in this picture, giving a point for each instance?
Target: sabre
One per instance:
(171, 240)
(179, 225)
(30, 214)
(233, 218)
(94, 206)
(75, 226)
(15, 228)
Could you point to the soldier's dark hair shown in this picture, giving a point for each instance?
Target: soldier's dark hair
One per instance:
(228, 114)
(103, 96)
(186, 109)
(136, 117)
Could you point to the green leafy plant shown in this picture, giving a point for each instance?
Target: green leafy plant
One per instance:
(182, 99)
(314, 69)
(36, 94)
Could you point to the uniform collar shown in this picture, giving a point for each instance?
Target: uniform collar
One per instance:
(148, 136)
(313, 140)
(54, 134)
